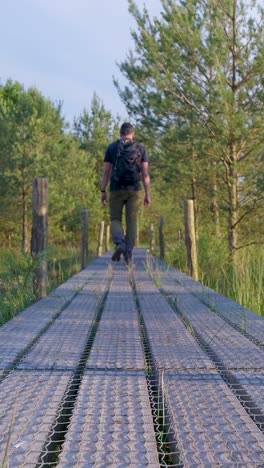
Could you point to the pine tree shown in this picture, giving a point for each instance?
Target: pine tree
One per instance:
(95, 129)
(198, 70)
(30, 127)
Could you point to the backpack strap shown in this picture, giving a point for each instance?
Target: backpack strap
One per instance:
(139, 154)
(118, 154)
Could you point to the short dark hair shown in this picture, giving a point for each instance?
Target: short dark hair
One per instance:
(126, 128)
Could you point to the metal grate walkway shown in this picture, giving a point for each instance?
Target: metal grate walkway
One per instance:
(132, 368)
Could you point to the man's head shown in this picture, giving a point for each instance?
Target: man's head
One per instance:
(127, 131)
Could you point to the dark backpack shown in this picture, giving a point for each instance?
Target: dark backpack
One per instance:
(126, 170)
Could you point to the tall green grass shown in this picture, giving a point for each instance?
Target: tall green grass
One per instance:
(16, 275)
(247, 285)
(244, 284)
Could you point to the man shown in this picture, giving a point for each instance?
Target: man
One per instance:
(126, 165)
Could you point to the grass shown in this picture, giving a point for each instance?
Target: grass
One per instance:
(5, 462)
(244, 284)
(16, 275)
(15, 283)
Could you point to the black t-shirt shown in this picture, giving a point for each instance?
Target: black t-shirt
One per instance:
(111, 155)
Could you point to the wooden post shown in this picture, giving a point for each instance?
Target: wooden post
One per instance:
(137, 235)
(84, 238)
(161, 238)
(107, 237)
(39, 238)
(100, 238)
(151, 237)
(190, 239)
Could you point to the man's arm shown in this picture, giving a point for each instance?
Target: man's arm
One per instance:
(146, 182)
(107, 168)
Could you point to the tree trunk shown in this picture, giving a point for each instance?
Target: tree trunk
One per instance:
(232, 191)
(233, 157)
(190, 239)
(25, 239)
(84, 238)
(215, 204)
(195, 206)
(232, 215)
(39, 239)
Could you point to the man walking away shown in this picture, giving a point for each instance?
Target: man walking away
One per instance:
(126, 165)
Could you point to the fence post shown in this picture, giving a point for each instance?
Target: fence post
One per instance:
(84, 238)
(190, 239)
(107, 237)
(39, 236)
(161, 238)
(137, 235)
(100, 238)
(151, 237)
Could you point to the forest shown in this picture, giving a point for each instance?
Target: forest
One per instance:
(195, 92)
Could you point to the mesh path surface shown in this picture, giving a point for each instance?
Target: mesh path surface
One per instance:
(238, 316)
(130, 367)
(20, 333)
(112, 423)
(117, 344)
(48, 341)
(213, 418)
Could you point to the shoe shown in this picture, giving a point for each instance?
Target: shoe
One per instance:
(119, 250)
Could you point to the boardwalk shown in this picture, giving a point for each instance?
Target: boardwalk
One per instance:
(132, 368)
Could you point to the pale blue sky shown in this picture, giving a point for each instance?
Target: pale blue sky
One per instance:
(68, 49)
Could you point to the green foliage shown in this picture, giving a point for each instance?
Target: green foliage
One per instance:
(176, 255)
(35, 142)
(212, 258)
(195, 90)
(94, 130)
(16, 275)
(195, 86)
(31, 130)
(72, 187)
(247, 282)
(244, 284)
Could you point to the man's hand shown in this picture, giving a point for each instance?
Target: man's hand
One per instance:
(103, 198)
(146, 182)
(147, 200)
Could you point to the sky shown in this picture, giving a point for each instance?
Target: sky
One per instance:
(68, 49)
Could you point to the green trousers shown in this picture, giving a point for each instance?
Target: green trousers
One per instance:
(130, 199)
